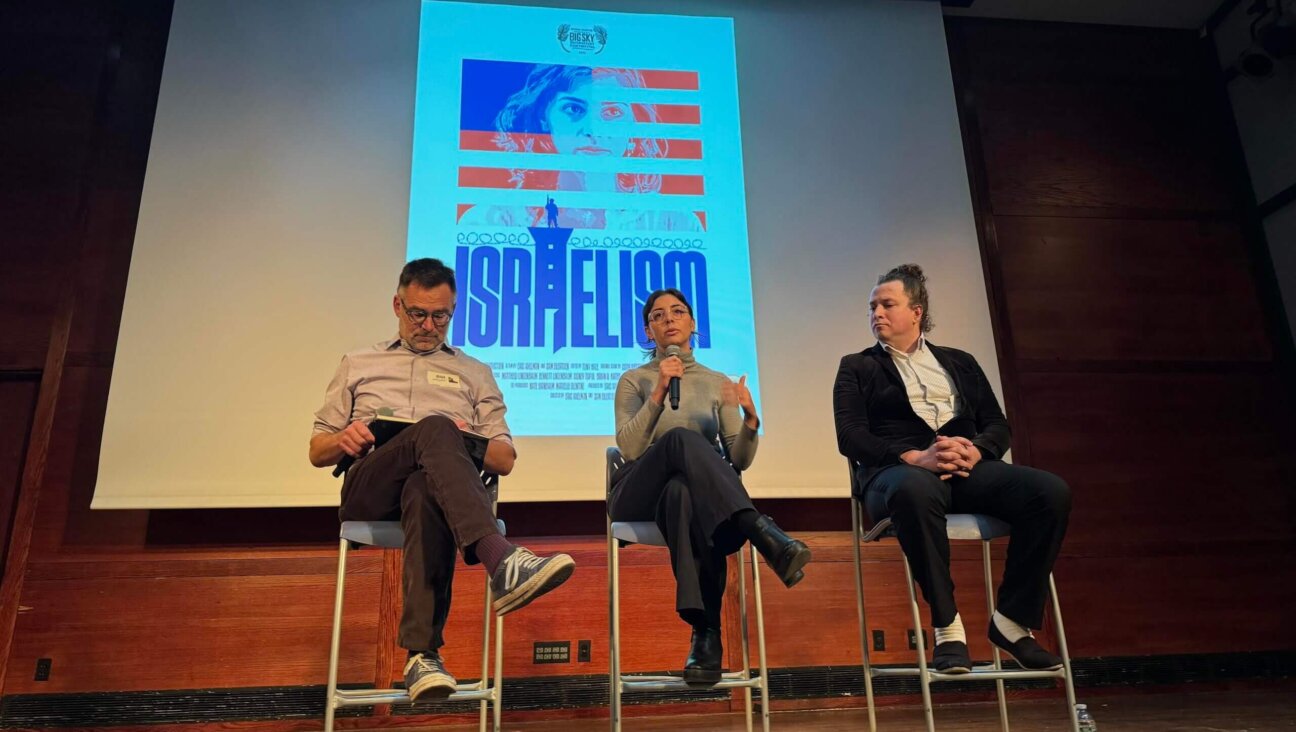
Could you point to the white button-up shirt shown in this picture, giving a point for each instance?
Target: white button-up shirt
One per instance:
(931, 390)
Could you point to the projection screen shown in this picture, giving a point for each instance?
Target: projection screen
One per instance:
(778, 155)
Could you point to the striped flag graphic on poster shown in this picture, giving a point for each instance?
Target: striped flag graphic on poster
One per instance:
(570, 129)
(567, 164)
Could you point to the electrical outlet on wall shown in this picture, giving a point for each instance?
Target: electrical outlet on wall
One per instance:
(913, 640)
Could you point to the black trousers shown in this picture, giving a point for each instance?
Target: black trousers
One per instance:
(691, 492)
(425, 477)
(1036, 504)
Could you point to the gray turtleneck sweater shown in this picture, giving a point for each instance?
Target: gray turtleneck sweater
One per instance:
(639, 421)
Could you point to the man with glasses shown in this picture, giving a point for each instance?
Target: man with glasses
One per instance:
(429, 475)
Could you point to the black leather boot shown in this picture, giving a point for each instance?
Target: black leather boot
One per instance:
(786, 556)
(705, 657)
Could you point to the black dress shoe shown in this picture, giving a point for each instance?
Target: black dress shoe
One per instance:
(951, 657)
(1028, 652)
(705, 657)
(786, 556)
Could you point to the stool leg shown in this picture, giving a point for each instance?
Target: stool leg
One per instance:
(744, 641)
(614, 628)
(1068, 680)
(336, 642)
(923, 681)
(760, 640)
(499, 670)
(485, 659)
(994, 650)
(856, 526)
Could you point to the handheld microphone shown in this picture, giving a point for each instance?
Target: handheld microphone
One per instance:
(674, 382)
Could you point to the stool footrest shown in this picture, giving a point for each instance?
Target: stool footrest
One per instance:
(977, 674)
(676, 683)
(373, 697)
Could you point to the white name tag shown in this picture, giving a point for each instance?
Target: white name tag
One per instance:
(445, 381)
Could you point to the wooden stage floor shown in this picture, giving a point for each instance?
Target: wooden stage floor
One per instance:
(1272, 708)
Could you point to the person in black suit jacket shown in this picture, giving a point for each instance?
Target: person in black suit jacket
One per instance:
(924, 430)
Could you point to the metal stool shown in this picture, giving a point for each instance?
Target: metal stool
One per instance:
(647, 533)
(960, 527)
(388, 535)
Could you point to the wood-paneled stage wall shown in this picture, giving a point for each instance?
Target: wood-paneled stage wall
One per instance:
(1138, 356)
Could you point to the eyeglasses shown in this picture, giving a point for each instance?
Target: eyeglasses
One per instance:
(419, 317)
(676, 313)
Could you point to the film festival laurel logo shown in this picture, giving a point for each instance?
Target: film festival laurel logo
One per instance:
(585, 41)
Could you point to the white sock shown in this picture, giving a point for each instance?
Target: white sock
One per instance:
(952, 632)
(1010, 629)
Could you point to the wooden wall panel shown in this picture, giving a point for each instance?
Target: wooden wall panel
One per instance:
(64, 520)
(265, 629)
(1213, 598)
(1100, 147)
(17, 406)
(195, 622)
(1215, 475)
(1081, 117)
(1081, 289)
(44, 142)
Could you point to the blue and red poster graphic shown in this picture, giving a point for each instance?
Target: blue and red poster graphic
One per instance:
(567, 163)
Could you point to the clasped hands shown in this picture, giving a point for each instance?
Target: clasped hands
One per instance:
(947, 457)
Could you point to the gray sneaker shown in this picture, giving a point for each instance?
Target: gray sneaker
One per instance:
(426, 676)
(522, 577)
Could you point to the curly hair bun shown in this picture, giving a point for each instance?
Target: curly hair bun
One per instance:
(910, 270)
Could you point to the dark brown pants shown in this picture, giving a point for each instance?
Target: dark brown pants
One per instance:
(425, 477)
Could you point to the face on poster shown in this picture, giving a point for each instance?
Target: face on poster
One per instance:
(566, 164)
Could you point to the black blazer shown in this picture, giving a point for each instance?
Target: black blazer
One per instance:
(875, 423)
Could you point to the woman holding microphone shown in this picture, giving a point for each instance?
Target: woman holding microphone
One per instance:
(684, 449)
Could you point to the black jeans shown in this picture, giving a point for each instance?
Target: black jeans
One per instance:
(1036, 504)
(691, 492)
(425, 477)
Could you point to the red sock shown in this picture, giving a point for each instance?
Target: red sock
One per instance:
(491, 550)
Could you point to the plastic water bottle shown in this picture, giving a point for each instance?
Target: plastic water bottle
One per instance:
(1087, 723)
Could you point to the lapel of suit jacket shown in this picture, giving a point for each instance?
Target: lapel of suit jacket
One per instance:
(888, 364)
(951, 368)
